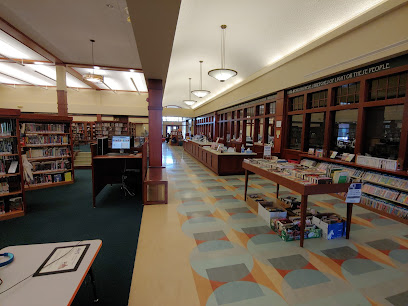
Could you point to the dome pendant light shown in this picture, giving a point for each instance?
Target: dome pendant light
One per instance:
(222, 74)
(200, 92)
(92, 77)
(189, 102)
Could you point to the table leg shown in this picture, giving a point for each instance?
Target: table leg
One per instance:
(91, 275)
(349, 213)
(277, 191)
(246, 184)
(303, 210)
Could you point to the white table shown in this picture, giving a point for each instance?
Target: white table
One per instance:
(53, 290)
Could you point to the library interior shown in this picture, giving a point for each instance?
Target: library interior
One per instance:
(213, 153)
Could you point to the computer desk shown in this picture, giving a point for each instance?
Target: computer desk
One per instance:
(108, 169)
(45, 290)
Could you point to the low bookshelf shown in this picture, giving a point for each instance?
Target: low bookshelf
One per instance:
(12, 198)
(384, 191)
(111, 128)
(82, 131)
(47, 144)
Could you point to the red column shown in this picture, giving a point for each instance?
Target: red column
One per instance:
(155, 89)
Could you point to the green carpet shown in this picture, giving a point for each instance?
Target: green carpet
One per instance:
(65, 214)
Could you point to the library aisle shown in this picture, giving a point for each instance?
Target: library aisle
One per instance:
(207, 247)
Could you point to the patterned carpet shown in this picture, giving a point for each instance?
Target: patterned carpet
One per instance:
(239, 260)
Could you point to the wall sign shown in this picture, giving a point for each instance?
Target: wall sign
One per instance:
(385, 65)
(354, 193)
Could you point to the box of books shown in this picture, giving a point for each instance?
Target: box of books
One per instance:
(269, 210)
(253, 200)
(293, 233)
(16, 203)
(332, 225)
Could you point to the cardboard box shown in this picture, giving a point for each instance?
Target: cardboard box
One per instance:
(330, 230)
(253, 200)
(268, 211)
(291, 234)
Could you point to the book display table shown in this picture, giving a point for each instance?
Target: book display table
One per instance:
(220, 163)
(303, 189)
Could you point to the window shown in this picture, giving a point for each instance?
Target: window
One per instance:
(389, 87)
(271, 130)
(344, 131)
(295, 131)
(271, 107)
(251, 111)
(316, 130)
(261, 109)
(347, 94)
(383, 130)
(250, 130)
(296, 103)
(317, 99)
(260, 123)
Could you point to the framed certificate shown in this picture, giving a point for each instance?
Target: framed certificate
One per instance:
(62, 260)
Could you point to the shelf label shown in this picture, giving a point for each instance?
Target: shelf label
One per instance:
(354, 193)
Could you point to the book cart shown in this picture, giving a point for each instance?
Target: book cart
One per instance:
(47, 143)
(303, 190)
(385, 192)
(12, 198)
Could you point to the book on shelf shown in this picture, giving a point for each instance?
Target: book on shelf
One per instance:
(319, 152)
(350, 157)
(7, 128)
(376, 162)
(333, 154)
(42, 128)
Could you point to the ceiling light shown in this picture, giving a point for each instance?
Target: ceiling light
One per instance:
(92, 77)
(200, 92)
(12, 52)
(222, 74)
(189, 102)
(109, 5)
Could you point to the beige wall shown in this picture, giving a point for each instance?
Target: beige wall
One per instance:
(178, 112)
(344, 51)
(85, 101)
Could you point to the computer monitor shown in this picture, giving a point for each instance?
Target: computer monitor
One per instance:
(121, 142)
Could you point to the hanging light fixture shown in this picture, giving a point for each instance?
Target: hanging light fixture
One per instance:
(92, 77)
(189, 102)
(222, 74)
(201, 93)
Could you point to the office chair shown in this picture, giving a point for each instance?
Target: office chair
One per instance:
(125, 175)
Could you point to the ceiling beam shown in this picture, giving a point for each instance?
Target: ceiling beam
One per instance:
(27, 41)
(76, 74)
(154, 25)
(103, 67)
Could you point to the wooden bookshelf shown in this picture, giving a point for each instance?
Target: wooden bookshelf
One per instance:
(111, 128)
(47, 185)
(11, 116)
(353, 164)
(398, 174)
(50, 126)
(393, 217)
(83, 131)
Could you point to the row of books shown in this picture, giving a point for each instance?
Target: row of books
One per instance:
(108, 124)
(8, 146)
(383, 205)
(52, 165)
(50, 178)
(376, 162)
(9, 165)
(44, 128)
(47, 152)
(387, 193)
(403, 198)
(386, 180)
(45, 139)
(11, 204)
(10, 184)
(7, 128)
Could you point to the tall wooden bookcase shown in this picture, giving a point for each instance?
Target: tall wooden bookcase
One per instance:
(48, 144)
(12, 191)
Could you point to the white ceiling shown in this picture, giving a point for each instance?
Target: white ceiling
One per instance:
(259, 33)
(64, 28)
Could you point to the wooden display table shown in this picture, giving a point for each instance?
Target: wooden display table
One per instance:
(219, 163)
(303, 190)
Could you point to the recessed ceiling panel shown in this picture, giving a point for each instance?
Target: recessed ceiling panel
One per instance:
(64, 28)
